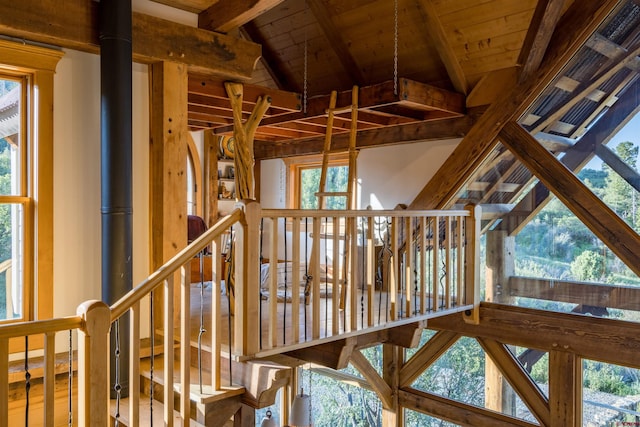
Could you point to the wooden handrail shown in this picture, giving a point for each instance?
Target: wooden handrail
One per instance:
(180, 259)
(35, 327)
(302, 213)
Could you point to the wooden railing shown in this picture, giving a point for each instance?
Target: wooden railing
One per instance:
(415, 264)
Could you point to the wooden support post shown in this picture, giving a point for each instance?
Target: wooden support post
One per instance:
(247, 285)
(392, 415)
(565, 389)
(169, 136)
(498, 396)
(93, 357)
(245, 417)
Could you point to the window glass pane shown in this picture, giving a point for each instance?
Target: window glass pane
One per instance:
(337, 180)
(10, 158)
(11, 256)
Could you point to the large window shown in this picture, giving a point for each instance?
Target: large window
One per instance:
(305, 174)
(14, 201)
(26, 182)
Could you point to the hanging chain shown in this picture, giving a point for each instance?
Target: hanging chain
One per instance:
(395, 47)
(116, 386)
(70, 388)
(27, 380)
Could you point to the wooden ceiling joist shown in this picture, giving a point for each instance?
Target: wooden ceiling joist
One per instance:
(225, 15)
(75, 26)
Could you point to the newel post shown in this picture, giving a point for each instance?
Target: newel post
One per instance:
(93, 364)
(247, 285)
(472, 232)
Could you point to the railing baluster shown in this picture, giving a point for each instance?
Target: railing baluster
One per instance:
(272, 342)
(168, 351)
(152, 344)
(435, 292)
(49, 378)
(134, 365)
(409, 274)
(448, 261)
(353, 272)
(423, 265)
(295, 270)
(70, 381)
(460, 259)
(393, 271)
(216, 314)
(185, 347)
(370, 265)
(315, 283)
(27, 380)
(335, 276)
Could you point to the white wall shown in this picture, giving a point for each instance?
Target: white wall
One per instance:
(77, 217)
(387, 176)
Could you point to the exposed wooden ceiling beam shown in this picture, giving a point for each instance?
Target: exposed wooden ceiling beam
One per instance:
(577, 156)
(75, 26)
(535, 44)
(441, 42)
(606, 340)
(575, 27)
(225, 15)
(454, 411)
(332, 34)
(415, 132)
(593, 212)
(592, 294)
(379, 386)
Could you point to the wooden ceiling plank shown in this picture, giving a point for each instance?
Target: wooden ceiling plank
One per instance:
(332, 34)
(441, 42)
(576, 25)
(593, 212)
(209, 86)
(413, 132)
(519, 379)
(585, 293)
(225, 15)
(541, 29)
(580, 154)
(606, 340)
(76, 27)
(455, 412)
(281, 74)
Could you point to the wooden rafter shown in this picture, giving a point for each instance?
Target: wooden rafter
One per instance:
(606, 340)
(225, 15)
(76, 27)
(279, 75)
(445, 51)
(480, 141)
(542, 25)
(577, 156)
(593, 212)
(518, 378)
(592, 294)
(320, 12)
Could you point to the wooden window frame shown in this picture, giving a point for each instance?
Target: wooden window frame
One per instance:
(295, 167)
(36, 65)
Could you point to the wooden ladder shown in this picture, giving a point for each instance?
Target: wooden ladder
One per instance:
(349, 195)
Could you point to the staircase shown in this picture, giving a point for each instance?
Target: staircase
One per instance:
(429, 270)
